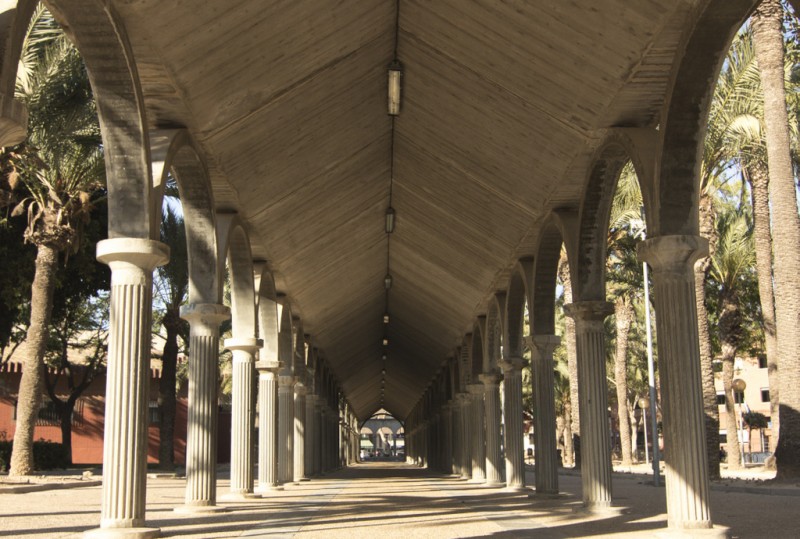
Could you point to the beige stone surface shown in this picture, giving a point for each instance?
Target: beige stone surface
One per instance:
(395, 500)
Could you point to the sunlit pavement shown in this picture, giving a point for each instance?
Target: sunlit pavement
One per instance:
(380, 499)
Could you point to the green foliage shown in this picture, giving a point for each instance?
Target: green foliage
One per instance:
(755, 420)
(46, 455)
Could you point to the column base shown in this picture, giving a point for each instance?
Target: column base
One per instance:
(717, 532)
(123, 533)
(494, 484)
(598, 509)
(517, 489)
(548, 496)
(238, 496)
(268, 489)
(199, 509)
(474, 481)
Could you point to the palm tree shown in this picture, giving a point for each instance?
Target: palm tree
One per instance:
(767, 22)
(59, 167)
(172, 288)
(731, 266)
(570, 344)
(624, 282)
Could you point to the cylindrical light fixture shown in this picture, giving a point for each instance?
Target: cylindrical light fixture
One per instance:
(386, 318)
(387, 281)
(390, 218)
(384, 357)
(385, 341)
(395, 85)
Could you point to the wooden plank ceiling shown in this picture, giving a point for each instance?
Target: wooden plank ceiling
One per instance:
(502, 103)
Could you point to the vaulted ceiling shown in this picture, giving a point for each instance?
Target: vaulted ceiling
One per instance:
(503, 105)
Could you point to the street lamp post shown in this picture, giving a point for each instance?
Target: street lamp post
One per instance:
(644, 404)
(650, 366)
(739, 386)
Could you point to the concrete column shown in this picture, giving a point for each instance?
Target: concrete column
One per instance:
(267, 426)
(545, 414)
(319, 438)
(595, 436)
(464, 402)
(494, 456)
(478, 433)
(285, 429)
(125, 438)
(447, 439)
(687, 486)
(201, 436)
(455, 430)
(300, 433)
(310, 437)
(512, 415)
(242, 417)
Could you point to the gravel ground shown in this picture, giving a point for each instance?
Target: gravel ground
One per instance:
(394, 500)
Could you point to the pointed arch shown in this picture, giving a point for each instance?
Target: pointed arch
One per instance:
(476, 350)
(545, 273)
(267, 309)
(285, 337)
(493, 342)
(516, 297)
(234, 246)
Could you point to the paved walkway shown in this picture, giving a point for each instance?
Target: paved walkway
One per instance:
(388, 500)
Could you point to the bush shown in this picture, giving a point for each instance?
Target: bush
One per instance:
(46, 455)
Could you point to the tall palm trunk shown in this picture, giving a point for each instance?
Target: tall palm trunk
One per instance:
(569, 449)
(758, 177)
(634, 423)
(30, 385)
(729, 336)
(167, 402)
(623, 312)
(572, 360)
(768, 41)
(701, 268)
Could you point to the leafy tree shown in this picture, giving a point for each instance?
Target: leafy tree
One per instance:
(60, 165)
(768, 39)
(171, 291)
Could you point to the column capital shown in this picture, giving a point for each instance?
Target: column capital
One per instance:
(300, 388)
(475, 389)
(205, 316)
(245, 344)
(285, 381)
(545, 344)
(141, 253)
(595, 310)
(268, 366)
(672, 254)
(512, 363)
(490, 380)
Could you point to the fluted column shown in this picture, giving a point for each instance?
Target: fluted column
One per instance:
(300, 433)
(687, 485)
(512, 415)
(545, 415)
(242, 416)
(267, 426)
(595, 436)
(285, 429)
(125, 438)
(478, 433)
(319, 436)
(201, 436)
(447, 440)
(310, 437)
(455, 429)
(494, 456)
(465, 403)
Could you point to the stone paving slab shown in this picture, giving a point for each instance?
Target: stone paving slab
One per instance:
(389, 500)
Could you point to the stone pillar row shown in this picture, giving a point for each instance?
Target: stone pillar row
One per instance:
(545, 415)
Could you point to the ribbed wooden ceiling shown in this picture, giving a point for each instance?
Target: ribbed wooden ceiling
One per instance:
(503, 103)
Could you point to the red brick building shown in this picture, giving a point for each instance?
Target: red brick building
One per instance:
(89, 418)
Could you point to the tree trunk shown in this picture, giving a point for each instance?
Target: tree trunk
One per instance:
(729, 336)
(768, 41)
(710, 408)
(65, 418)
(634, 431)
(758, 176)
(623, 312)
(572, 359)
(167, 402)
(30, 385)
(569, 449)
